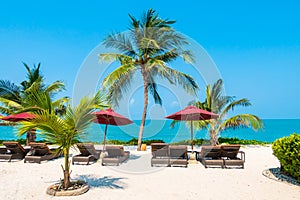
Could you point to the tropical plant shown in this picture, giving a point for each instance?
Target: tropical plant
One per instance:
(65, 130)
(286, 149)
(218, 103)
(13, 98)
(146, 49)
(16, 99)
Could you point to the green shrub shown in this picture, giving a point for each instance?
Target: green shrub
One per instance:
(241, 141)
(287, 150)
(133, 141)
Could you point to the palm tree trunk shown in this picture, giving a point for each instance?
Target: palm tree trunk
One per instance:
(144, 112)
(213, 134)
(66, 170)
(212, 138)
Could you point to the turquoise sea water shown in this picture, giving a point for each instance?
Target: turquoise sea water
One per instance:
(160, 129)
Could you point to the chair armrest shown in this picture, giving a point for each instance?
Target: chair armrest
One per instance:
(242, 155)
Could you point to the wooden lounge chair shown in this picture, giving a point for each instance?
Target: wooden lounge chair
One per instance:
(211, 156)
(233, 156)
(178, 156)
(13, 150)
(115, 155)
(87, 153)
(40, 152)
(160, 154)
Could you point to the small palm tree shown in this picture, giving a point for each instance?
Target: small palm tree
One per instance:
(65, 130)
(218, 103)
(150, 44)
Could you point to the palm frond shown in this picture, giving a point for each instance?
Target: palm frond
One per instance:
(167, 56)
(120, 73)
(121, 42)
(241, 102)
(242, 121)
(100, 100)
(10, 91)
(178, 78)
(55, 87)
(5, 110)
(34, 97)
(119, 87)
(33, 76)
(152, 88)
(110, 57)
(10, 104)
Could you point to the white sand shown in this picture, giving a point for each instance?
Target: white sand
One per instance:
(135, 179)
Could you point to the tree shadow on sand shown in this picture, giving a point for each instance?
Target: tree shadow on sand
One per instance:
(134, 157)
(104, 182)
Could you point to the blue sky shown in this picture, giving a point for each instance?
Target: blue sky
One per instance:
(254, 44)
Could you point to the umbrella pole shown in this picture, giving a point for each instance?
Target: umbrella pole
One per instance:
(104, 140)
(192, 136)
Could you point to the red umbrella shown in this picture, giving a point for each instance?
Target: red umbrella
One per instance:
(110, 117)
(19, 117)
(22, 117)
(192, 113)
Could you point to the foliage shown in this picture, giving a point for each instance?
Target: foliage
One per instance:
(146, 49)
(218, 103)
(287, 150)
(63, 130)
(23, 141)
(241, 141)
(14, 98)
(133, 141)
(198, 142)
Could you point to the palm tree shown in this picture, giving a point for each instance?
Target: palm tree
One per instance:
(13, 97)
(65, 130)
(218, 103)
(16, 99)
(150, 44)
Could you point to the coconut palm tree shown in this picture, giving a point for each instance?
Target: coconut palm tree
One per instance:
(65, 130)
(13, 97)
(146, 49)
(218, 103)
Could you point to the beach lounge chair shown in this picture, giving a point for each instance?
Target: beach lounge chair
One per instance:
(40, 152)
(115, 155)
(87, 154)
(178, 156)
(233, 156)
(13, 150)
(160, 154)
(211, 156)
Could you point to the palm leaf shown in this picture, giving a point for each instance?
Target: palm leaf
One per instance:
(241, 121)
(121, 42)
(242, 102)
(110, 57)
(152, 88)
(10, 91)
(55, 87)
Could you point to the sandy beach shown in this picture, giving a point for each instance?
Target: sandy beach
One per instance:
(136, 179)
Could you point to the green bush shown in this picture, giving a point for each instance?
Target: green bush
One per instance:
(287, 150)
(241, 141)
(133, 141)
